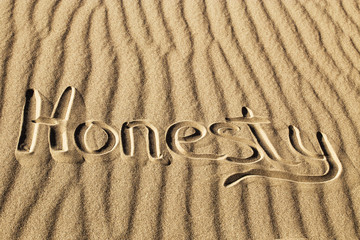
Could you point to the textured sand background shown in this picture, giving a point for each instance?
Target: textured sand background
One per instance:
(292, 62)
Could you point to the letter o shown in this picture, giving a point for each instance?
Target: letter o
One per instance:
(80, 138)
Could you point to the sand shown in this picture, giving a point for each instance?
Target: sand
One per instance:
(179, 119)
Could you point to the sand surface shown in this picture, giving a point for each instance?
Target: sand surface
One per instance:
(179, 119)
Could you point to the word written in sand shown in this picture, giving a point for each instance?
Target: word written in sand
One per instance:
(73, 139)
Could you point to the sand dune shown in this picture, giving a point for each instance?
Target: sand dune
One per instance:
(216, 119)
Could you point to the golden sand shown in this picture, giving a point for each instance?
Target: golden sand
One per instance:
(179, 119)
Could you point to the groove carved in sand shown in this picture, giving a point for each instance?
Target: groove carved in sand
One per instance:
(104, 147)
(35, 106)
(333, 172)
(67, 124)
(328, 154)
(67, 114)
(152, 139)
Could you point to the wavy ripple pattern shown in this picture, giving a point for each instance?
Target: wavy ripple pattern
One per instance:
(295, 62)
